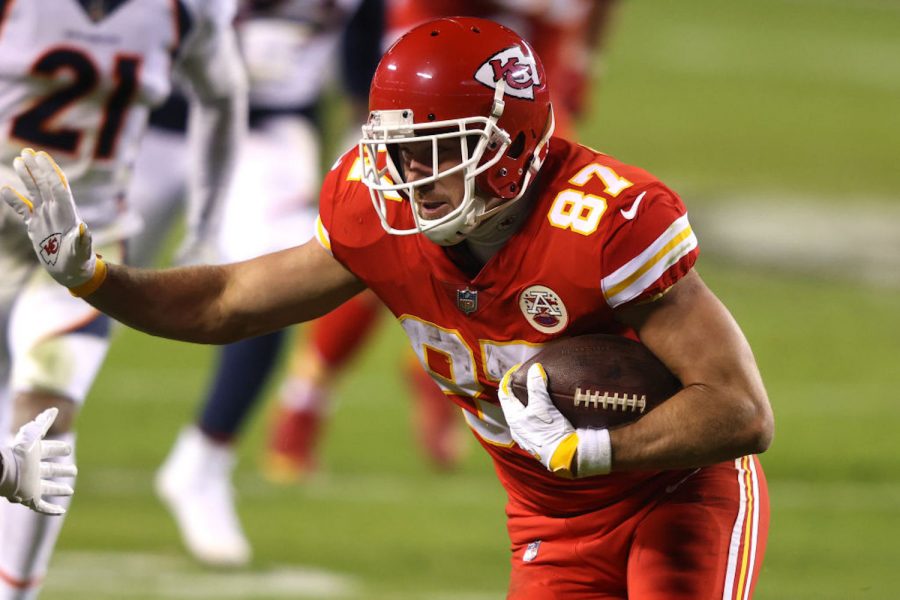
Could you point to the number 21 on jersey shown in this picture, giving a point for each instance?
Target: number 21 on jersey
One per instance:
(580, 212)
(37, 124)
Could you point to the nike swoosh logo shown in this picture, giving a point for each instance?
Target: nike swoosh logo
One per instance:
(632, 211)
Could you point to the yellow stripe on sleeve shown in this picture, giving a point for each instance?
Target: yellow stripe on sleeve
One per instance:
(322, 235)
(631, 279)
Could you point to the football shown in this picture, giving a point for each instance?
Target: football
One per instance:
(600, 380)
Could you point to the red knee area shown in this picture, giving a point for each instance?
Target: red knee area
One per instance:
(339, 334)
(699, 538)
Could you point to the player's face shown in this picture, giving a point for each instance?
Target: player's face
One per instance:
(436, 199)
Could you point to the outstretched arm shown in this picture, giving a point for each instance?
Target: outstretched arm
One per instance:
(221, 304)
(207, 304)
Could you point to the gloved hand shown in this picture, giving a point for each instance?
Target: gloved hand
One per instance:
(60, 238)
(539, 428)
(542, 431)
(25, 474)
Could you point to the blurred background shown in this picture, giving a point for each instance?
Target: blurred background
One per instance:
(778, 122)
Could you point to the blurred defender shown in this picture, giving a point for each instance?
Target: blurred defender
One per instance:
(78, 78)
(289, 48)
(489, 238)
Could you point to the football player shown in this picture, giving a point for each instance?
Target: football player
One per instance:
(569, 34)
(78, 78)
(288, 48)
(490, 238)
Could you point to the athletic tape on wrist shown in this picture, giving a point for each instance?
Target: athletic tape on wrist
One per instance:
(594, 452)
(90, 286)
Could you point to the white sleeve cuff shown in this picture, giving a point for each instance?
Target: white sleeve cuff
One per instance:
(594, 452)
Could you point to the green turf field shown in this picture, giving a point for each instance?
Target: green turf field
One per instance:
(795, 99)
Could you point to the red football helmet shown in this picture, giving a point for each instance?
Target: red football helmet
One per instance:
(464, 78)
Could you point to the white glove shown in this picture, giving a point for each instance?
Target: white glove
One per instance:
(25, 477)
(542, 431)
(60, 238)
(539, 428)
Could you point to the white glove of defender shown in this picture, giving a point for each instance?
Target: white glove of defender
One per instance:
(25, 477)
(60, 238)
(542, 431)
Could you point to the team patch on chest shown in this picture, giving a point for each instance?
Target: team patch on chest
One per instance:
(543, 309)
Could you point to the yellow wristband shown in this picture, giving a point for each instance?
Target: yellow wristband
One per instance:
(90, 286)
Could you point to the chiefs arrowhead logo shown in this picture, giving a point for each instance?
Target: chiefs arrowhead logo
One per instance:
(543, 309)
(516, 68)
(50, 248)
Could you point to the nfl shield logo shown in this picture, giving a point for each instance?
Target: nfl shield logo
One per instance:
(531, 551)
(467, 300)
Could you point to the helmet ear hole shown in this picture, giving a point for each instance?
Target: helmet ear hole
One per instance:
(517, 146)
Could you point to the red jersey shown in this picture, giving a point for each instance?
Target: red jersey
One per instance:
(600, 234)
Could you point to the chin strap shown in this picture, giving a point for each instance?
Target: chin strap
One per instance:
(498, 105)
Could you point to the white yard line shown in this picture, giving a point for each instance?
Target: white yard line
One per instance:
(854, 241)
(110, 575)
(122, 575)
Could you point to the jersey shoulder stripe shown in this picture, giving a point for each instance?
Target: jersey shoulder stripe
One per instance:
(631, 279)
(322, 235)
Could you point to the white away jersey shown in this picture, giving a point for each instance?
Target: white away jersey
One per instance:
(80, 84)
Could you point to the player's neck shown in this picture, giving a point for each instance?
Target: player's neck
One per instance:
(489, 237)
